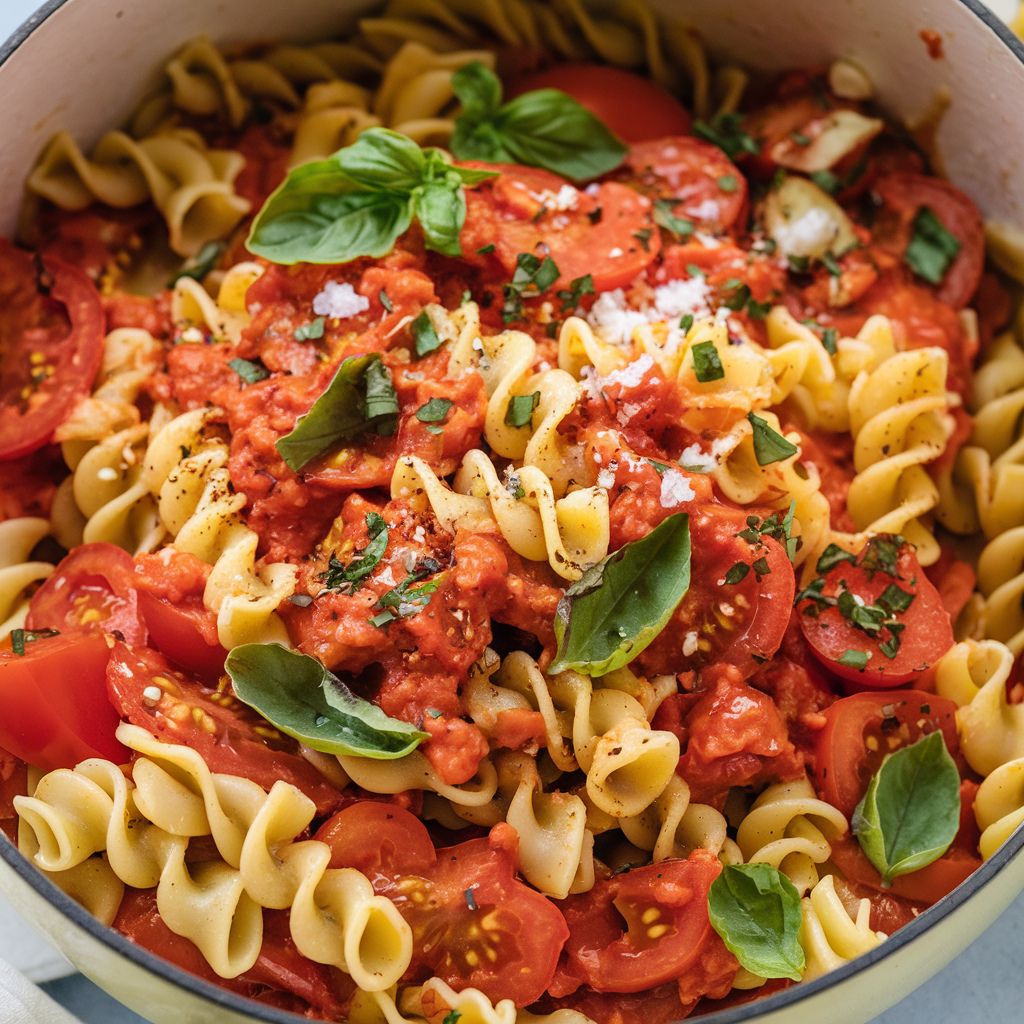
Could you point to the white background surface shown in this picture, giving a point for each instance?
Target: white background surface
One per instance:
(985, 984)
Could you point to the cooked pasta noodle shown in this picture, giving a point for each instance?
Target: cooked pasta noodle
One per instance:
(831, 935)
(17, 573)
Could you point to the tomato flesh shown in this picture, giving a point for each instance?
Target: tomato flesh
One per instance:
(633, 107)
(474, 925)
(54, 710)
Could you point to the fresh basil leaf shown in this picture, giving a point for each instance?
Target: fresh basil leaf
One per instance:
(769, 445)
(910, 814)
(756, 910)
(434, 410)
(363, 562)
(726, 132)
(312, 331)
(665, 218)
(318, 215)
(249, 371)
(932, 247)
(360, 397)
(424, 335)
(707, 366)
(520, 409)
(201, 264)
(736, 573)
(543, 128)
(441, 210)
(382, 159)
(620, 605)
(301, 698)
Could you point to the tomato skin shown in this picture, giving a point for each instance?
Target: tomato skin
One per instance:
(222, 730)
(690, 171)
(75, 358)
(610, 957)
(516, 950)
(92, 588)
(927, 635)
(509, 213)
(903, 195)
(54, 710)
(633, 107)
(844, 765)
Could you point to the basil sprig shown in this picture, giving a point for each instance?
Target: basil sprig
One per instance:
(543, 128)
(932, 247)
(359, 399)
(756, 910)
(911, 811)
(301, 698)
(360, 200)
(619, 606)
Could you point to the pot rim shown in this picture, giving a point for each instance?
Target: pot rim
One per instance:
(228, 1000)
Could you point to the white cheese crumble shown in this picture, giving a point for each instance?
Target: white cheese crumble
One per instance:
(606, 479)
(690, 643)
(615, 253)
(706, 209)
(675, 489)
(808, 235)
(565, 198)
(339, 301)
(615, 320)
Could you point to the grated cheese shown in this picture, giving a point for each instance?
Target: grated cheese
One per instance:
(339, 301)
(675, 489)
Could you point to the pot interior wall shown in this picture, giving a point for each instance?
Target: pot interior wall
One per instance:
(85, 67)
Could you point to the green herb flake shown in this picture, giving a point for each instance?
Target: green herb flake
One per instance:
(832, 556)
(312, 331)
(686, 322)
(798, 264)
(643, 236)
(707, 366)
(350, 577)
(932, 248)
(831, 264)
(854, 659)
(726, 132)
(425, 337)
(761, 568)
(21, 637)
(728, 183)
(251, 372)
(520, 408)
(829, 337)
(826, 181)
(486, 250)
(470, 899)
(201, 264)
(452, 1017)
(736, 573)
(665, 218)
(381, 619)
(385, 300)
(578, 287)
(800, 139)
(435, 410)
(769, 445)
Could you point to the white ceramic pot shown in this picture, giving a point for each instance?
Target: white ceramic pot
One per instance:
(82, 64)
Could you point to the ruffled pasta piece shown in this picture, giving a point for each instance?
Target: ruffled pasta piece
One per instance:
(18, 575)
(143, 827)
(999, 806)
(831, 936)
(186, 471)
(974, 675)
(223, 318)
(789, 828)
(415, 772)
(191, 185)
(570, 533)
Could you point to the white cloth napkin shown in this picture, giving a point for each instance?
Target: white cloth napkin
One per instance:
(22, 1003)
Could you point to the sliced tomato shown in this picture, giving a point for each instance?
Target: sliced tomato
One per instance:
(50, 348)
(861, 730)
(708, 189)
(740, 623)
(661, 1005)
(281, 976)
(774, 125)
(231, 738)
(474, 924)
(608, 231)
(639, 929)
(92, 588)
(903, 195)
(170, 594)
(901, 642)
(632, 106)
(54, 709)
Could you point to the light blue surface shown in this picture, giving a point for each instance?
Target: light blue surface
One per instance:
(985, 984)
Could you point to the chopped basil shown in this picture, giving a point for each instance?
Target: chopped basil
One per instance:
(520, 409)
(832, 556)
(728, 183)
(405, 599)
(424, 335)
(435, 410)
(769, 445)
(831, 264)
(737, 573)
(932, 247)
(381, 619)
(434, 712)
(484, 250)
(301, 698)
(359, 399)
(800, 139)
(21, 637)
(726, 132)
(541, 128)
(756, 910)
(826, 181)
(201, 264)
(532, 276)
(452, 1017)
(618, 607)
(665, 218)
(761, 568)
(686, 321)
(707, 366)
(776, 526)
(828, 340)
(385, 300)
(578, 287)
(854, 659)
(910, 814)
(311, 331)
(798, 264)
(659, 467)
(249, 370)
(350, 577)
(643, 236)
(895, 598)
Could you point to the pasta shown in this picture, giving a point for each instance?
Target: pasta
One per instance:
(516, 532)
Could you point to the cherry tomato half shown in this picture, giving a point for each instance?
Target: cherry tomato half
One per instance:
(607, 231)
(50, 348)
(474, 924)
(93, 589)
(633, 107)
(886, 609)
(54, 709)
